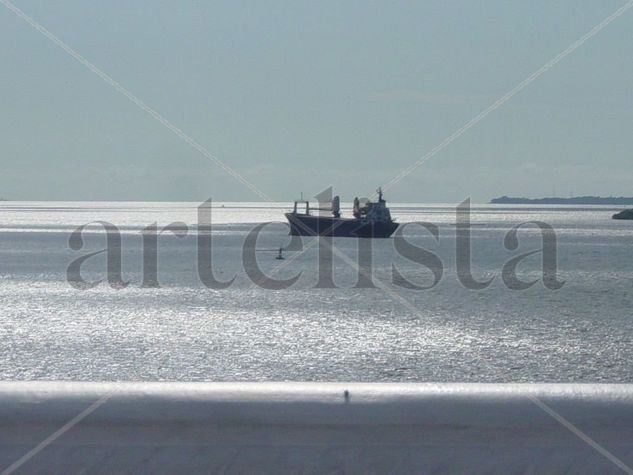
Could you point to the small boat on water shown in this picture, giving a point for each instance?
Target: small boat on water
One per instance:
(626, 214)
(371, 220)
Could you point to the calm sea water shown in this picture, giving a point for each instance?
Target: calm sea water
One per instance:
(184, 331)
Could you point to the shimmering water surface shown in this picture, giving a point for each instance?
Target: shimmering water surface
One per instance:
(185, 331)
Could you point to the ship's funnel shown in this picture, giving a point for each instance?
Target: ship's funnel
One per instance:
(336, 206)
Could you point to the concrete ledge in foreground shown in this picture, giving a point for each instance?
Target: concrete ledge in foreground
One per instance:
(311, 428)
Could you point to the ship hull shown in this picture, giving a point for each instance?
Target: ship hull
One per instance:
(304, 225)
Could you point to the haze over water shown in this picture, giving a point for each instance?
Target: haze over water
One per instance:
(185, 332)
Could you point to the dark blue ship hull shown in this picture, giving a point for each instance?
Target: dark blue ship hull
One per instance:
(305, 225)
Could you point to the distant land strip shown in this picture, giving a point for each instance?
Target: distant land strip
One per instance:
(577, 200)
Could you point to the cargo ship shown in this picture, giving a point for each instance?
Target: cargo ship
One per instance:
(371, 220)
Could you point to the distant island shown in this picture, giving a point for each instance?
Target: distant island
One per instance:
(577, 200)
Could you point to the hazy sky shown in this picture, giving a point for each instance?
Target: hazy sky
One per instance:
(300, 95)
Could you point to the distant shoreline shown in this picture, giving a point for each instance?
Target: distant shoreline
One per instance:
(578, 200)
